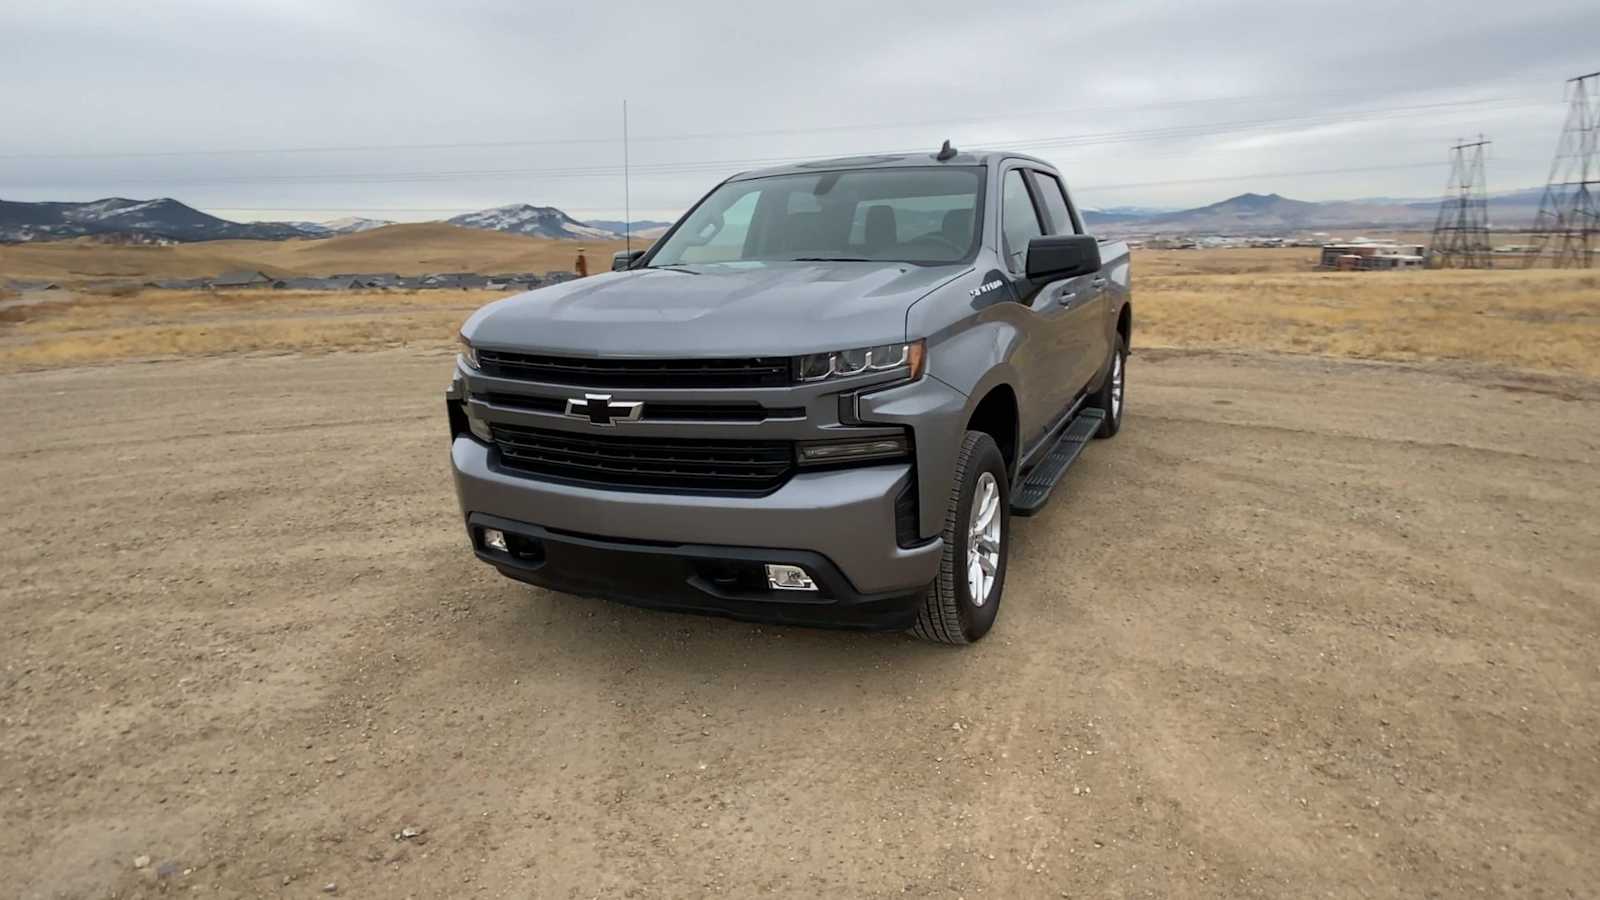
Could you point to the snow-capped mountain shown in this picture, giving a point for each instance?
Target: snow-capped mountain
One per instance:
(353, 224)
(525, 218)
(345, 225)
(163, 218)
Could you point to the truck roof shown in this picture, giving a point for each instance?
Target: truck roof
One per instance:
(892, 161)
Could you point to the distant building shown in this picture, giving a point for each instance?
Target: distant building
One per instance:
(1372, 255)
(235, 280)
(177, 284)
(336, 283)
(448, 280)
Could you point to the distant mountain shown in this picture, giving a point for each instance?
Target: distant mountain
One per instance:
(1250, 212)
(162, 219)
(537, 221)
(641, 227)
(1273, 213)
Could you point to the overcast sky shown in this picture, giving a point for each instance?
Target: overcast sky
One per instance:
(417, 109)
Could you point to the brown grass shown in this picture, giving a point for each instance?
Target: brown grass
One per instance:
(403, 249)
(1538, 320)
(1238, 261)
(155, 324)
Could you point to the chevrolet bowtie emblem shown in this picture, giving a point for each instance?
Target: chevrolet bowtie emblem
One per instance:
(599, 409)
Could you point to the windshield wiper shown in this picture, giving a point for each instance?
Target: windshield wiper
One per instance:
(831, 259)
(675, 267)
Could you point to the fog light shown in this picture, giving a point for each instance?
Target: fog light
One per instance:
(789, 578)
(478, 427)
(819, 452)
(494, 539)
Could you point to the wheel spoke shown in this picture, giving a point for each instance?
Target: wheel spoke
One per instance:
(983, 538)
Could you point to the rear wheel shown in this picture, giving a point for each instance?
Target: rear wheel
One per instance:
(962, 604)
(1112, 395)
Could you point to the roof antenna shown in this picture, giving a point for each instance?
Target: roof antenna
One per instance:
(946, 152)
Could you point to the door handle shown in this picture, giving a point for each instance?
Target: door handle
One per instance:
(1065, 298)
(1099, 281)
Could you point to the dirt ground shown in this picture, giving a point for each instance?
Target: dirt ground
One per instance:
(1305, 628)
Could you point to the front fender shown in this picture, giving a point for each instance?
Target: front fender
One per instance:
(963, 368)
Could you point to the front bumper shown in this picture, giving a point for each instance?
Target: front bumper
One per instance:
(650, 548)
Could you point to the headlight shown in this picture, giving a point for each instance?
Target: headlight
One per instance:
(468, 352)
(844, 363)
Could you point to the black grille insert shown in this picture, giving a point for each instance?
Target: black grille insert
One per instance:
(761, 371)
(670, 464)
(658, 411)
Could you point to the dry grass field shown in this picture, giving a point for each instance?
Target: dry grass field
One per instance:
(1244, 299)
(402, 249)
(1539, 320)
(89, 328)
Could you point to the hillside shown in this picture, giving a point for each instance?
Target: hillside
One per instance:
(401, 249)
(527, 219)
(162, 219)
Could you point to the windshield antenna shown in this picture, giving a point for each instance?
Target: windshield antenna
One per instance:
(946, 152)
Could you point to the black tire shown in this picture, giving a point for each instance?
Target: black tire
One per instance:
(1103, 398)
(950, 614)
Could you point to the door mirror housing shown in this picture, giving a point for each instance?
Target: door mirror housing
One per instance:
(1062, 256)
(624, 259)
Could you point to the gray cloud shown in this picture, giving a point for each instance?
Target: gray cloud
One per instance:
(1139, 102)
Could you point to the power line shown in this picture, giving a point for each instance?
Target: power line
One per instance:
(690, 167)
(1253, 176)
(692, 136)
(1079, 188)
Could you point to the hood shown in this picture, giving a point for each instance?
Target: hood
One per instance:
(724, 309)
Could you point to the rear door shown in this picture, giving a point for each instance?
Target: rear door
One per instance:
(1085, 318)
(1043, 358)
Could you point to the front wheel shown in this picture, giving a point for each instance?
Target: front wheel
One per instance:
(962, 604)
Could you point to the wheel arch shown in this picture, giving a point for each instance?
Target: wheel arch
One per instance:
(996, 414)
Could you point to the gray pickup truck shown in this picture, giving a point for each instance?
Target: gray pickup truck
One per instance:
(818, 399)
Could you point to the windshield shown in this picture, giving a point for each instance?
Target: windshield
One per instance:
(926, 216)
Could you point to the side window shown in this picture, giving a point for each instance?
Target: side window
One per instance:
(1019, 221)
(1055, 203)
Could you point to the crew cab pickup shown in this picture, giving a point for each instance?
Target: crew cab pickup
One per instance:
(820, 398)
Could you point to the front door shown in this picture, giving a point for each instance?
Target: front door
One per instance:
(1046, 361)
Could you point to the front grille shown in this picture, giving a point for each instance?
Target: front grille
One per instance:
(724, 466)
(761, 371)
(656, 411)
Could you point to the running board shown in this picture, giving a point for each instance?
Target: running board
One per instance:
(1031, 495)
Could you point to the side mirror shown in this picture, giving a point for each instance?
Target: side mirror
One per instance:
(1062, 256)
(624, 259)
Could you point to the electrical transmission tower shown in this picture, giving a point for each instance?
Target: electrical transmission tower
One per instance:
(1461, 232)
(1569, 213)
